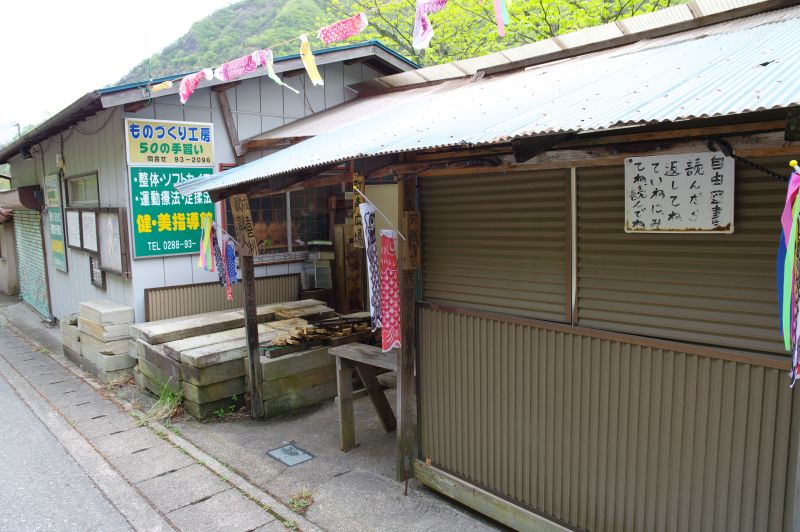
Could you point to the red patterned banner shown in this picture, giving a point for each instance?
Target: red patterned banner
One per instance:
(390, 292)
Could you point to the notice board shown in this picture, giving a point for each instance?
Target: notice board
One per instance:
(688, 193)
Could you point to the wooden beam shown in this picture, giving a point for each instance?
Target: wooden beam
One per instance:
(406, 383)
(376, 395)
(501, 510)
(527, 148)
(230, 125)
(251, 329)
(225, 86)
(344, 388)
(271, 144)
(136, 106)
(397, 169)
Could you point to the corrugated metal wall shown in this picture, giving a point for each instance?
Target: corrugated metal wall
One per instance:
(497, 242)
(713, 289)
(32, 275)
(174, 301)
(603, 434)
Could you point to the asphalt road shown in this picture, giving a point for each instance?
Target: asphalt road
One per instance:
(41, 486)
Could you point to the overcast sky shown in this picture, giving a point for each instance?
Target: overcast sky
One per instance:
(54, 51)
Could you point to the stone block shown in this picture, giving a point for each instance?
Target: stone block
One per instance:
(114, 347)
(105, 376)
(208, 410)
(212, 374)
(133, 350)
(156, 380)
(109, 362)
(284, 366)
(69, 326)
(72, 344)
(214, 392)
(74, 356)
(154, 355)
(299, 399)
(104, 333)
(298, 382)
(106, 312)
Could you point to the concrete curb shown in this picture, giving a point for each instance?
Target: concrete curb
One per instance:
(264, 499)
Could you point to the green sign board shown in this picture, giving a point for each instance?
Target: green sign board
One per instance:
(164, 221)
(52, 191)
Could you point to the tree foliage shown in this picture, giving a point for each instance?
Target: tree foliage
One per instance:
(463, 29)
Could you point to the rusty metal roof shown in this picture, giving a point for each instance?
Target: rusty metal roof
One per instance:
(740, 66)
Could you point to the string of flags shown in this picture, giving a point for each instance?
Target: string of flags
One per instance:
(338, 31)
(219, 256)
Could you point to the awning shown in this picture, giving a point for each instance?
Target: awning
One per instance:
(740, 66)
(21, 198)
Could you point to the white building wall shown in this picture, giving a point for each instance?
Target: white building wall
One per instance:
(96, 145)
(257, 104)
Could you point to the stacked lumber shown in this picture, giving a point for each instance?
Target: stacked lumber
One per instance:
(104, 332)
(297, 380)
(70, 339)
(203, 357)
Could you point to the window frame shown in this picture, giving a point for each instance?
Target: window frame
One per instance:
(69, 180)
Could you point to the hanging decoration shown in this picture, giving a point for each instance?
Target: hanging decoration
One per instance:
(189, 83)
(343, 29)
(390, 292)
(265, 59)
(230, 262)
(218, 259)
(373, 270)
(206, 259)
(233, 70)
(308, 61)
(787, 273)
(158, 87)
(226, 252)
(423, 31)
(501, 16)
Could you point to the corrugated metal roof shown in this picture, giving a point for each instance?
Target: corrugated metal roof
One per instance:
(740, 66)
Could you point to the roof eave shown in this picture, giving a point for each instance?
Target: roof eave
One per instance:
(82, 108)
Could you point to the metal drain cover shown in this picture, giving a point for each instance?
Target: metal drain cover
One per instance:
(290, 455)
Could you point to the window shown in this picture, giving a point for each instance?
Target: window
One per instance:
(82, 191)
(307, 209)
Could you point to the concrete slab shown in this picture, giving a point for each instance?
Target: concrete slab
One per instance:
(228, 511)
(93, 428)
(183, 487)
(92, 410)
(128, 441)
(155, 461)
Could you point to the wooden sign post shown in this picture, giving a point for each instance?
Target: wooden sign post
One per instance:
(406, 385)
(245, 234)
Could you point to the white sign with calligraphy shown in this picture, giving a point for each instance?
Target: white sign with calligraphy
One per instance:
(689, 193)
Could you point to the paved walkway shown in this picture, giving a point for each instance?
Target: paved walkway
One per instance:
(148, 483)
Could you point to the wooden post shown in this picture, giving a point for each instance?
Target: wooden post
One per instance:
(251, 328)
(344, 388)
(406, 385)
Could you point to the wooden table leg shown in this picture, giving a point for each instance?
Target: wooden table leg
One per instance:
(376, 395)
(344, 386)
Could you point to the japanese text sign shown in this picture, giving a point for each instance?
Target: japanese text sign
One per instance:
(691, 193)
(243, 222)
(164, 221)
(169, 143)
(52, 190)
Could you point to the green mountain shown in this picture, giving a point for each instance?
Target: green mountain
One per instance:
(465, 28)
(232, 32)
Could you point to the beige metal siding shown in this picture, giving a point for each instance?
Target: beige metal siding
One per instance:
(497, 242)
(604, 434)
(710, 289)
(174, 301)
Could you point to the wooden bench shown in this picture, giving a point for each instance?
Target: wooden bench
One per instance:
(364, 358)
